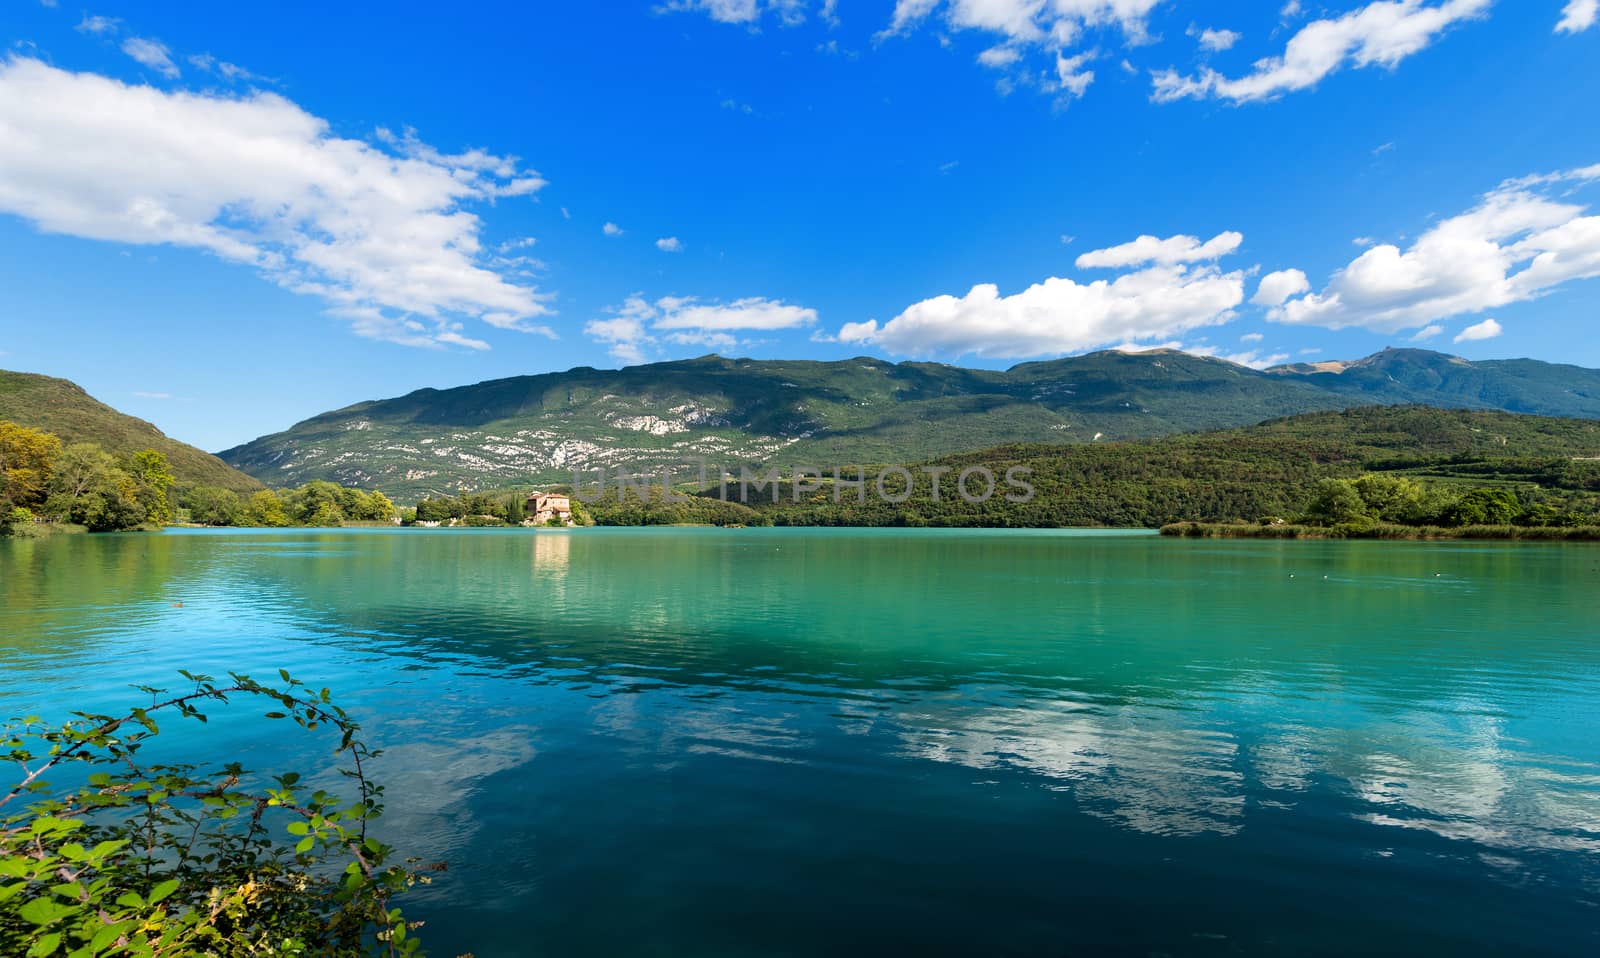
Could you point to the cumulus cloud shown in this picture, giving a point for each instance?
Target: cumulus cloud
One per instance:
(379, 232)
(669, 244)
(637, 325)
(611, 229)
(1164, 252)
(151, 53)
(1488, 329)
(1578, 16)
(1251, 338)
(1277, 287)
(1059, 315)
(1379, 34)
(1427, 332)
(1517, 244)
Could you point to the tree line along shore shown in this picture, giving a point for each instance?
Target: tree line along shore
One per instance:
(1375, 472)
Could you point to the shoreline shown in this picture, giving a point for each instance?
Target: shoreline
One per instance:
(1227, 530)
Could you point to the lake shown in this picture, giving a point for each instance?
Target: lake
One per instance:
(790, 742)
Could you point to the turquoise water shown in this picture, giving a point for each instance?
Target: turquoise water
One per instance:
(787, 742)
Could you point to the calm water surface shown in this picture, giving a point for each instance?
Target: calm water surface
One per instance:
(751, 742)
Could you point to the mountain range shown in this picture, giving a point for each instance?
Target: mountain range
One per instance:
(733, 412)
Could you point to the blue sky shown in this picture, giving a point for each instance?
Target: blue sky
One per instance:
(226, 218)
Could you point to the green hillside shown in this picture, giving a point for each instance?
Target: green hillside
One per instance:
(63, 408)
(733, 411)
(1270, 469)
(538, 429)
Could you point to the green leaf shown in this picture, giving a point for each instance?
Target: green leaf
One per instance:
(45, 945)
(44, 911)
(163, 890)
(11, 867)
(108, 848)
(106, 935)
(299, 828)
(306, 844)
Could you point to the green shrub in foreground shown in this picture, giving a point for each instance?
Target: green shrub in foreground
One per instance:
(147, 859)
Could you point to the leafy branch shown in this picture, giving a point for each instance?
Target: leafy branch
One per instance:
(154, 859)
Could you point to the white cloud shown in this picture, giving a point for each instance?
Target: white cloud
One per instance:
(1168, 296)
(381, 234)
(151, 53)
(231, 72)
(1028, 20)
(1277, 287)
(1578, 16)
(1052, 28)
(1251, 338)
(625, 331)
(1071, 78)
(669, 244)
(1254, 359)
(1059, 315)
(1488, 329)
(1214, 40)
(1517, 244)
(611, 229)
(752, 312)
(638, 324)
(1427, 332)
(1163, 252)
(92, 24)
(750, 12)
(1379, 34)
(999, 57)
(145, 395)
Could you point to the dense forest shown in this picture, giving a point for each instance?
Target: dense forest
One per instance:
(80, 484)
(1449, 467)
